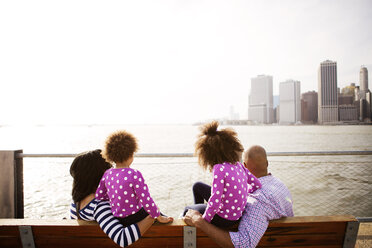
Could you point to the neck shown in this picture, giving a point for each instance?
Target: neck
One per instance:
(262, 174)
(124, 164)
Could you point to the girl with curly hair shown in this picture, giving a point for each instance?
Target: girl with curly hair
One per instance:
(123, 186)
(220, 152)
(86, 171)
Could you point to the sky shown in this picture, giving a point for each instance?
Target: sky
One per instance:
(176, 61)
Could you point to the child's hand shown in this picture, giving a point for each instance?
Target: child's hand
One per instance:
(164, 219)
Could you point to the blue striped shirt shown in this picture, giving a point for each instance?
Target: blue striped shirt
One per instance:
(100, 211)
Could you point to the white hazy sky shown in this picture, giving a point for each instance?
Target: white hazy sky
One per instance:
(174, 61)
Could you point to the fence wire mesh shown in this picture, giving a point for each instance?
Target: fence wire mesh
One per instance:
(321, 185)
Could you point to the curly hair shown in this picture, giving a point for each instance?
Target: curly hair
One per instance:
(119, 147)
(86, 171)
(217, 146)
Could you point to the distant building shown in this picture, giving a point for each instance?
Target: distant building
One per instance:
(233, 115)
(276, 114)
(328, 95)
(289, 102)
(261, 100)
(309, 107)
(344, 99)
(348, 113)
(356, 93)
(363, 82)
(348, 106)
(275, 101)
(365, 95)
(349, 90)
(368, 106)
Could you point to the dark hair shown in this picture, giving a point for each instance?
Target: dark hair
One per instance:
(87, 170)
(217, 146)
(119, 147)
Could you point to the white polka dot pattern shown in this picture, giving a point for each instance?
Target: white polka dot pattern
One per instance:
(128, 192)
(231, 179)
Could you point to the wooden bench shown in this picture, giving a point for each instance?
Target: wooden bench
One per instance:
(313, 231)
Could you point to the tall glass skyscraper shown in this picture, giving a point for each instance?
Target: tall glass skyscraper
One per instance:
(327, 92)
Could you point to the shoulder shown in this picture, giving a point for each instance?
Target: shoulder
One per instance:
(271, 180)
(131, 172)
(273, 187)
(218, 168)
(108, 173)
(136, 174)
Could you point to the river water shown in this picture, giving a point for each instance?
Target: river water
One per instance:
(322, 185)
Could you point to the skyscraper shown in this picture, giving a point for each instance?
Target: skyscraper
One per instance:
(328, 95)
(290, 102)
(309, 113)
(365, 95)
(261, 100)
(363, 82)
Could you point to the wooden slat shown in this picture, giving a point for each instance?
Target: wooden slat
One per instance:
(10, 242)
(9, 237)
(205, 242)
(9, 231)
(307, 246)
(297, 219)
(95, 231)
(319, 233)
(165, 231)
(42, 242)
(309, 239)
(313, 219)
(159, 242)
(306, 228)
(68, 231)
(310, 231)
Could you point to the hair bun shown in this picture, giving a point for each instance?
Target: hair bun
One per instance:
(210, 129)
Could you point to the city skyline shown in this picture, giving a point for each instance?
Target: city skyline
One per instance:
(170, 61)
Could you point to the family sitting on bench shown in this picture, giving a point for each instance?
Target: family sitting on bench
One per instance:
(242, 195)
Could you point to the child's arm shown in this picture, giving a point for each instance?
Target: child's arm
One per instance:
(143, 194)
(217, 190)
(253, 182)
(101, 192)
(123, 235)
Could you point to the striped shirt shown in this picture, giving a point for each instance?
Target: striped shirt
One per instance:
(272, 201)
(100, 211)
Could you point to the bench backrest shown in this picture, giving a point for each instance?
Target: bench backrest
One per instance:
(320, 231)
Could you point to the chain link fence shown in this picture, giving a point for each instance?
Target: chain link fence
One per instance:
(320, 185)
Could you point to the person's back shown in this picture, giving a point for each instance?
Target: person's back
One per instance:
(275, 196)
(272, 201)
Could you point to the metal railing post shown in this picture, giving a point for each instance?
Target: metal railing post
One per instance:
(11, 184)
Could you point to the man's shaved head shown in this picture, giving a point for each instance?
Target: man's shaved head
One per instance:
(256, 160)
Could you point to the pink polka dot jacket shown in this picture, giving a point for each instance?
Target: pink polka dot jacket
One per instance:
(127, 192)
(230, 188)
